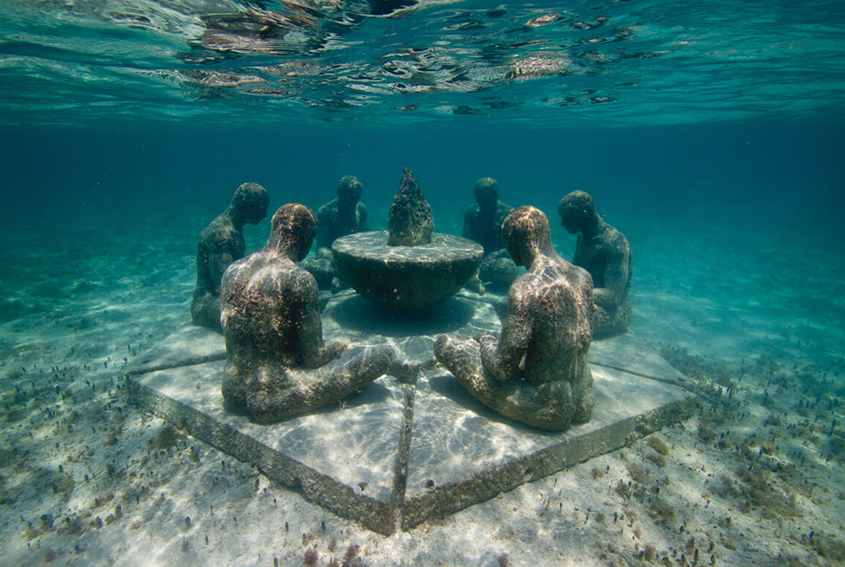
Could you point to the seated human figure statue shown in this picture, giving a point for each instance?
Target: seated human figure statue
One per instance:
(221, 243)
(536, 370)
(341, 216)
(279, 365)
(605, 253)
(483, 221)
(483, 224)
(344, 215)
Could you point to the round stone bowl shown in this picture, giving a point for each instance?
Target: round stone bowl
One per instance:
(406, 276)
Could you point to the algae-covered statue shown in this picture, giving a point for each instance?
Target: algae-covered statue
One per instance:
(339, 217)
(409, 221)
(483, 224)
(279, 365)
(344, 215)
(605, 253)
(483, 221)
(536, 370)
(220, 244)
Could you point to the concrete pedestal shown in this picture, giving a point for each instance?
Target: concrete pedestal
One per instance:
(413, 445)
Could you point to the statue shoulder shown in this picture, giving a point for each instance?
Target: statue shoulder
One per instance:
(617, 243)
(302, 280)
(329, 210)
(523, 288)
(214, 229)
(503, 210)
(237, 270)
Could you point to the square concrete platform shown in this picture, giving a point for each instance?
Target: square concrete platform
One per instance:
(413, 445)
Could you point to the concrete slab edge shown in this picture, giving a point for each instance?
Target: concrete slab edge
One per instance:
(322, 490)
(445, 500)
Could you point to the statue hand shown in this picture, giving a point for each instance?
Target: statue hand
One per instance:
(335, 348)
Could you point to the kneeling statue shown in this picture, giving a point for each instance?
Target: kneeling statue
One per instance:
(278, 364)
(536, 370)
(605, 253)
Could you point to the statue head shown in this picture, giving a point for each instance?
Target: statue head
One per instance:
(349, 191)
(249, 205)
(486, 193)
(576, 210)
(526, 234)
(292, 230)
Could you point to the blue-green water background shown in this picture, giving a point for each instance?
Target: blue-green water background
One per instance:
(780, 178)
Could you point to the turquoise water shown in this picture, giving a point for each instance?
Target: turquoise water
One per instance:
(711, 134)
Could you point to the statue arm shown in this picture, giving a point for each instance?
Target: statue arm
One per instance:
(218, 261)
(615, 279)
(223, 245)
(467, 230)
(314, 352)
(323, 231)
(203, 273)
(502, 358)
(363, 220)
(577, 256)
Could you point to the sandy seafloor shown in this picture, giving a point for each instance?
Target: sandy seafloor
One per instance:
(754, 478)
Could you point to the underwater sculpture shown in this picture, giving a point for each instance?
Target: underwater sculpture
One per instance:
(605, 253)
(344, 215)
(536, 370)
(409, 222)
(278, 364)
(483, 221)
(220, 244)
(497, 270)
(409, 266)
(341, 216)
(483, 224)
